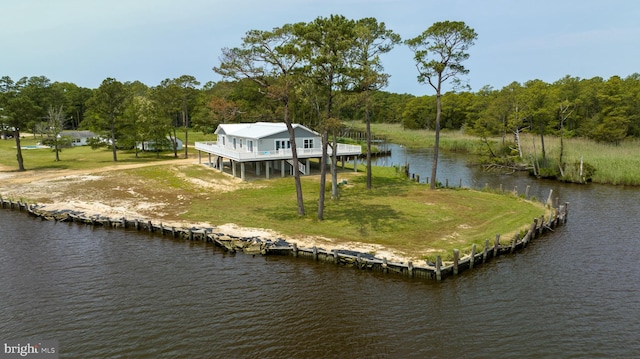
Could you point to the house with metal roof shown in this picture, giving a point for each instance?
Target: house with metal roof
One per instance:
(267, 146)
(78, 138)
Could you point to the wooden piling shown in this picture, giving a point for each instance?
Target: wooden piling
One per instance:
(438, 268)
(532, 231)
(410, 269)
(456, 259)
(315, 253)
(496, 245)
(295, 250)
(473, 256)
(513, 244)
(484, 251)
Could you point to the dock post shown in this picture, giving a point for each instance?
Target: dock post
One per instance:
(438, 268)
(295, 249)
(385, 265)
(410, 269)
(315, 253)
(496, 245)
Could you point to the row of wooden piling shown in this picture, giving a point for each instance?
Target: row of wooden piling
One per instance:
(437, 270)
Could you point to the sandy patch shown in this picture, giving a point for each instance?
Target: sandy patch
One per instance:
(56, 190)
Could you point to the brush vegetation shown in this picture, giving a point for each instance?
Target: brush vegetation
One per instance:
(617, 164)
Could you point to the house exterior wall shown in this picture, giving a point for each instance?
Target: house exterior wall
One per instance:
(263, 142)
(304, 140)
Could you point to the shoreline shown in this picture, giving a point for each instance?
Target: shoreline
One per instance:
(55, 191)
(99, 197)
(256, 244)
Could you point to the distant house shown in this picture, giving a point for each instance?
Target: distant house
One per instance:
(164, 146)
(78, 138)
(266, 145)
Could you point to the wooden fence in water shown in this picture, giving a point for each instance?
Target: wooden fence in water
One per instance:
(437, 270)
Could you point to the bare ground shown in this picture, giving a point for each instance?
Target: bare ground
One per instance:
(103, 192)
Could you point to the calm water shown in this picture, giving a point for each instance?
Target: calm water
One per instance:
(122, 294)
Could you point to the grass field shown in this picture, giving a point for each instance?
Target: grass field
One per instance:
(81, 157)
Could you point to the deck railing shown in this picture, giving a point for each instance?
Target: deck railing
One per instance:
(243, 155)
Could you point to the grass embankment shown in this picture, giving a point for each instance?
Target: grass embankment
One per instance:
(401, 215)
(613, 164)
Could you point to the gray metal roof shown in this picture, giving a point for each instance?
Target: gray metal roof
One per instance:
(256, 130)
(78, 134)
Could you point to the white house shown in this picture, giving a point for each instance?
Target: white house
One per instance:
(151, 145)
(78, 138)
(267, 145)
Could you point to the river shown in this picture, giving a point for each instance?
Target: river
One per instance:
(105, 293)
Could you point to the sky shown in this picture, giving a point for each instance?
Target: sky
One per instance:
(87, 41)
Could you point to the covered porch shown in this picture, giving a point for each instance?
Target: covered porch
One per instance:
(268, 164)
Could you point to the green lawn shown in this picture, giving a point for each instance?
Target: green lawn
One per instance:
(81, 157)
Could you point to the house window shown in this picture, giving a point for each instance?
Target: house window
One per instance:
(308, 143)
(234, 143)
(223, 140)
(282, 144)
(249, 146)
